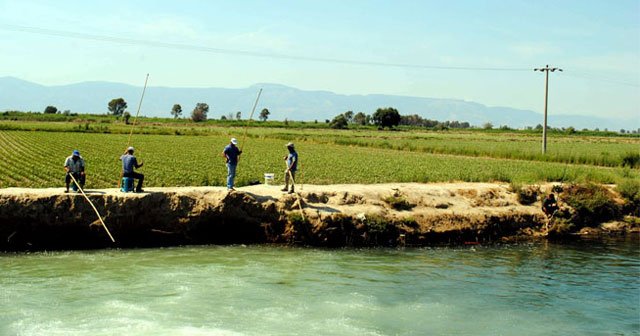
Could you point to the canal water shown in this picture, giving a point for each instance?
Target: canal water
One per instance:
(582, 288)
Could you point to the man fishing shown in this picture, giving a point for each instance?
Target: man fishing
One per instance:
(129, 162)
(231, 153)
(74, 164)
(550, 205)
(292, 166)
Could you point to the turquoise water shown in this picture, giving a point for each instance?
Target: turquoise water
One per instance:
(532, 289)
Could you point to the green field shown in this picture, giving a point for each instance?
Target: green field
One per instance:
(184, 154)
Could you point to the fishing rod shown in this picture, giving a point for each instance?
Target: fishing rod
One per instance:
(138, 112)
(93, 206)
(133, 126)
(250, 117)
(301, 177)
(293, 183)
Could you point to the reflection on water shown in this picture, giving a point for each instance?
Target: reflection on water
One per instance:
(584, 288)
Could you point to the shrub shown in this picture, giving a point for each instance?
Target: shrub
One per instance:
(377, 224)
(526, 195)
(561, 227)
(399, 203)
(630, 191)
(593, 204)
(381, 231)
(296, 218)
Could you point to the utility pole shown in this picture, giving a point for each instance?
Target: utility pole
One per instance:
(546, 96)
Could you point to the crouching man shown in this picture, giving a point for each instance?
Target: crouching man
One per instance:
(74, 165)
(129, 162)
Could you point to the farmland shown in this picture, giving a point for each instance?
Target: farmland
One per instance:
(32, 155)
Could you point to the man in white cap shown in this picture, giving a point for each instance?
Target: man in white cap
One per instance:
(74, 164)
(231, 153)
(292, 166)
(128, 163)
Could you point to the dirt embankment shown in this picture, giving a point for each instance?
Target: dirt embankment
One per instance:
(332, 215)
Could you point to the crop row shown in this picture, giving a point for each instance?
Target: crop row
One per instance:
(591, 150)
(35, 159)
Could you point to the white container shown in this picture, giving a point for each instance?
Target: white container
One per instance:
(268, 178)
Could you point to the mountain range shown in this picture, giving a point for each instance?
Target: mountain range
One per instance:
(283, 102)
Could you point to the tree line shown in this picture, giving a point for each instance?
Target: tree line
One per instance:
(199, 113)
(387, 117)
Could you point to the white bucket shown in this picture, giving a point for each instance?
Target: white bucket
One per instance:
(268, 178)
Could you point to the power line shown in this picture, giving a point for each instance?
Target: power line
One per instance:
(181, 46)
(602, 79)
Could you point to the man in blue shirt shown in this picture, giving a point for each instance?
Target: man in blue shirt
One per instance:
(231, 154)
(292, 166)
(128, 163)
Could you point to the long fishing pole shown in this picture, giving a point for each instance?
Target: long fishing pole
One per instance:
(133, 126)
(293, 183)
(93, 206)
(246, 127)
(138, 112)
(301, 177)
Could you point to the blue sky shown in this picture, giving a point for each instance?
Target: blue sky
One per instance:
(597, 43)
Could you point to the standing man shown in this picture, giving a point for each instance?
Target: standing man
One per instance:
(74, 164)
(128, 163)
(231, 154)
(292, 166)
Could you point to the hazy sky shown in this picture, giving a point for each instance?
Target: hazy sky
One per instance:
(349, 47)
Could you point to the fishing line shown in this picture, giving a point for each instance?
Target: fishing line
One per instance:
(246, 127)
(293, 183)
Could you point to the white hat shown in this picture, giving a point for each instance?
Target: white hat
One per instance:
(234, 141)
(290, 144)
(130, 149)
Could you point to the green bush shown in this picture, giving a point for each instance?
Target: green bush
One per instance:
(378, 225)
(630, 191)
(399, 203)
(525, 195)
(593, 204)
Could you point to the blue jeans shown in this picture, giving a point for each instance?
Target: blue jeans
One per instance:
(231, 174)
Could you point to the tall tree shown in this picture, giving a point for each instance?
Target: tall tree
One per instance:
(386, 117)
(339, 122)
(199, 113)
(360, 118)
(238, 115)
(51, 110)
(117, 106)
(176, 111)
(264, 114)
(349, 116)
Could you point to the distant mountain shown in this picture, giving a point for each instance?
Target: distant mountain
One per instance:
(282, 101)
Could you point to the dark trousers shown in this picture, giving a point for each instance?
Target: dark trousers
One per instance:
(79, 177)
(138, 176)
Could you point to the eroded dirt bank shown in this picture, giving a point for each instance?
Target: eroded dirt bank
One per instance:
(333, 215)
